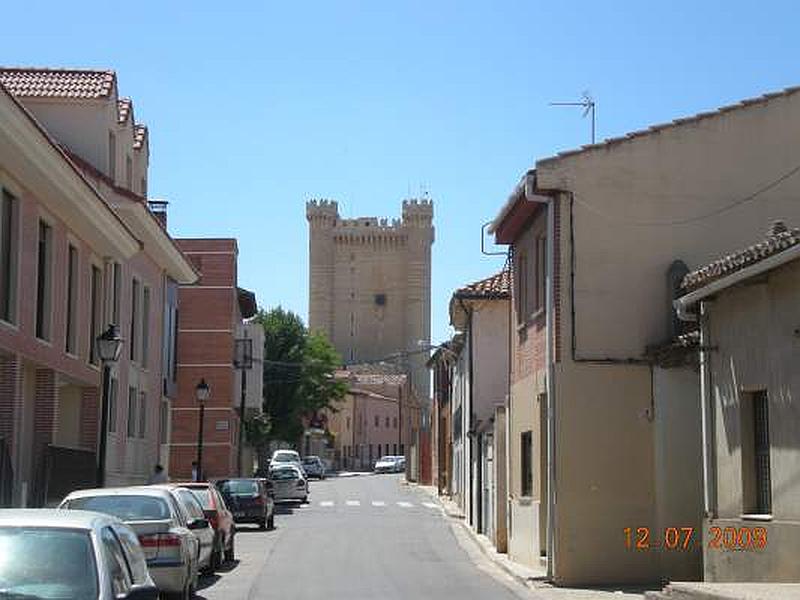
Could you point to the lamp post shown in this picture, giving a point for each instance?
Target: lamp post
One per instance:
(242, 360)
(109, 346)
(202, 392)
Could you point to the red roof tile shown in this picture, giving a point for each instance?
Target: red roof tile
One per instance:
(31, 82)
(496, 286)
(780, 238)
(124, 109)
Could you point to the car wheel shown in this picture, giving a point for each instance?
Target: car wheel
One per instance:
(230, 553)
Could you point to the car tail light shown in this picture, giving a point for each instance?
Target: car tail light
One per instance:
(159, 540)
(300, 483)
(258, 500)
(213, 518)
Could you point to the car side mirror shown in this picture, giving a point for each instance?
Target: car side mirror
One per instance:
(140, 592)
(198, 524)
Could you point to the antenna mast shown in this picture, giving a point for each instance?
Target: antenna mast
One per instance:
(587, 103)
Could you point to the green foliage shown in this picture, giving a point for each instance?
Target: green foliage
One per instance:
(298, 373)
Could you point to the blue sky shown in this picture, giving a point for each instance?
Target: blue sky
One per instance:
(254, 107)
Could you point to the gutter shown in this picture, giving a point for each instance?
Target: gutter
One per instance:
(549, 202)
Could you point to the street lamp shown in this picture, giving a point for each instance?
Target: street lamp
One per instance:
(202, 392)
(109, 346)
(242, 360)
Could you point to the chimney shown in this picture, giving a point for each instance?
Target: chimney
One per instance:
(159, 210)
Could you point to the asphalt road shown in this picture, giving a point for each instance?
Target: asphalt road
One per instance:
(365, 537)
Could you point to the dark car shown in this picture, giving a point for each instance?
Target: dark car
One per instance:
(314, 467)
(248, 500)
(221, 520)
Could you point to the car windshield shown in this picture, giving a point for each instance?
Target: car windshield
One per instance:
(126, 508)
(203, 496)
(310, 461)
(387, 459)
(284, 474)
(239, 487)
(47, 563)
(284, 458)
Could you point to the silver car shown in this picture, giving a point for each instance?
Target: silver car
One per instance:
(56, 554)
(194, 514)
(171, 549)
(288, 482)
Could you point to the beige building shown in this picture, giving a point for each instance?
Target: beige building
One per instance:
(594, 233)
(370, 284)
(746, 306)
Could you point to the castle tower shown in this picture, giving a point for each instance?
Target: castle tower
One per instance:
(370, 284)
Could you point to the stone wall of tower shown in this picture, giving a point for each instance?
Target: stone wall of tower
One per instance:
(370, 284)
(322, 216)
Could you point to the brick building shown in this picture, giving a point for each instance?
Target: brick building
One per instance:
(81, 250)
(211, 319)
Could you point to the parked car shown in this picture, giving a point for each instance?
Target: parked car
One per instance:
(170, 547)
(314, 467)
(248, 500)
(221, 519)
(194, 514)
(400, 464)
(289, 483)
(46, 553)
(282, 457)
(386, 464)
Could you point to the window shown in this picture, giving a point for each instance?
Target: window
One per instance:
(394, 447)
(394, 422)
(380, 299)
(526, 462)
(142, 414)
(145, 325)
(379, 450)
(370, 452)
(115, 559)
(402, 450)
(132, 397)
(756, 475)
(163, 423)
(112, 155)
(44, 287)
(9, 239)
(377, 421)
(129, 173)
(541, 271)
(116, 291)
(387, 422)
(70, 342)
(133, 338)
(112, 405)
(95, 316)
(348, 423)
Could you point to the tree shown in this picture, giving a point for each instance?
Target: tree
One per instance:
(299, 371)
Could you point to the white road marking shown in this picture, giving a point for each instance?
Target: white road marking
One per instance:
(429, 505)
(405, 504)
(353, 503)
(378, 503)
(326, 503)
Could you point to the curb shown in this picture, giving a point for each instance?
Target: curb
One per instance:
(456, 515)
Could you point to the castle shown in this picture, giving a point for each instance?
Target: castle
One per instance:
(370, 284)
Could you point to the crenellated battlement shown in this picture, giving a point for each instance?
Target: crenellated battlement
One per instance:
(322, 213)
(418, 212)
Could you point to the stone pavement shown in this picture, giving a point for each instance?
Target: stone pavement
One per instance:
(727, 591)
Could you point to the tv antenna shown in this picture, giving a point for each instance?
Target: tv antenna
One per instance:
(587, 103)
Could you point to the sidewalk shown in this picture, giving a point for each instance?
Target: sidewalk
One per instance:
(726, 591)
(532, 578)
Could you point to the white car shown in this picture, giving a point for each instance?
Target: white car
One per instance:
(287, 482)
(286, 457)
(48, 553)
(386, 464)
(171, 548)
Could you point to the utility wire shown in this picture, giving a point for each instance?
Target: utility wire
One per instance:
(771, 185)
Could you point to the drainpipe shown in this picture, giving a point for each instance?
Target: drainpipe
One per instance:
(548, 201)
(682, 309)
